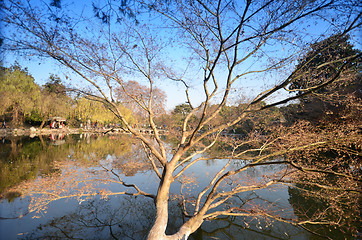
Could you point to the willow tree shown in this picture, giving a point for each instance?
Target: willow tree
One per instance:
(94, 111)
(212, 49)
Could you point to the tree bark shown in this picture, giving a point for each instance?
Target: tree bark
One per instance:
(158, 230)
(15, 119)
(42, 123)
(159, 227)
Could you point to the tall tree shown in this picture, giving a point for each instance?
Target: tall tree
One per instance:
(136, 97)
(343, 93)
(54, 100)
(55, 85)
(19, 94)
(217, 45)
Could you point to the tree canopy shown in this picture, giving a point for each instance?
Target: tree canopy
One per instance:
(86, 109)
(339, 97)
(19, 93)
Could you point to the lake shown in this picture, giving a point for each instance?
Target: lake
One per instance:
(65, 165)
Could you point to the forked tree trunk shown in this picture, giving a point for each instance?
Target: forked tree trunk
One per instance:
(158, 229)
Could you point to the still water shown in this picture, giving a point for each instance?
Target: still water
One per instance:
(39, 174)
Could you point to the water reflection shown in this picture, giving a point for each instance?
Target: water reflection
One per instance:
(312, 207)
(26, 158)
(117, 218)
(128, 218)
(74, 165)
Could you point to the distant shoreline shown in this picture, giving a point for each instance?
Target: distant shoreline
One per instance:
(46, 131)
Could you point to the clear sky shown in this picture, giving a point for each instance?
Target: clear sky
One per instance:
(42, 68)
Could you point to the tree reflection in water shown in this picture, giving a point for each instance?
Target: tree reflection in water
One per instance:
(117, 218)
(125, 217)
(307, 206)
(87, 168)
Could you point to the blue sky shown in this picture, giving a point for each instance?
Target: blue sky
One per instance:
(42, 68)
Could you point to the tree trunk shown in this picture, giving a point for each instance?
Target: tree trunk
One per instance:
(42, 123)
(15, 116)
(158, 229)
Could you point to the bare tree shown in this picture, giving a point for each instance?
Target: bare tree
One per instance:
(135, 96)
(224, 42)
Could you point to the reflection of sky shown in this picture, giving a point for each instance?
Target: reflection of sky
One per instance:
(136, 215)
